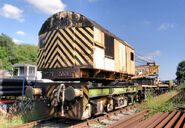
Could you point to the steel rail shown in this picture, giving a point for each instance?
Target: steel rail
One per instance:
(91, 121)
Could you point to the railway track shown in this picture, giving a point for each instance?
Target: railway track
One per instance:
(53, 122)
(109, 117)
(126, 117)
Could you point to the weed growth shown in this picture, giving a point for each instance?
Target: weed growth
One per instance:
(20, 118)
(161, 103)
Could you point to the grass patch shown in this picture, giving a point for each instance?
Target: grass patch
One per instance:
(7, 122)
(181, 86)
(161, 103)
(18, 119)
(179, 100)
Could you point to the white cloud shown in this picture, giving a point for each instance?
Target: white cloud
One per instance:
(17, 41)
(166, 26)
(10, 11)
(48, 6)
(150, 56)
(21, 33)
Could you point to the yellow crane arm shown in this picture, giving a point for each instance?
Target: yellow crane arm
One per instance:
(151, 69)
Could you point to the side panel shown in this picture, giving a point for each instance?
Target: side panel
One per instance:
(122, 53)
(99, 57)
(130, 63)
(109, 64)
(97, 36)
(117, 55)
(99, 52)
(120, 57)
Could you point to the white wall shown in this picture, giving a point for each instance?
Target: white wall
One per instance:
(109, 64)
(122, 57)
(98, 57)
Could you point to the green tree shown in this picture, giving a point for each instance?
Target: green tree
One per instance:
(181, 72)
(27, 53)
(7, 51)
(11, 53)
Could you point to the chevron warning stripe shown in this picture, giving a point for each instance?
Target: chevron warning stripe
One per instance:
(49, 92)
(77, 109)
(41, 57)
(85, 96)
(66, 48)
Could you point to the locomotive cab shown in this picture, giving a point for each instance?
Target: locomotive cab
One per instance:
(73, 46)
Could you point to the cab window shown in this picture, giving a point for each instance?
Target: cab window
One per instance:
(109, 46)
(132, 56)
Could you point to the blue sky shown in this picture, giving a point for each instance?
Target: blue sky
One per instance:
(155, 28)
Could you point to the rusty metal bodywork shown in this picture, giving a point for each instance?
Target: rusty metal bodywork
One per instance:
(50, 106)
(83, 73)
(70, 40)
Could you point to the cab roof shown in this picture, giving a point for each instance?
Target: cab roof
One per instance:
(69, 19)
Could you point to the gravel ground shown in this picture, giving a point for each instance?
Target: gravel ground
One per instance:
(63, 123)
(112, 119)
(57, 123)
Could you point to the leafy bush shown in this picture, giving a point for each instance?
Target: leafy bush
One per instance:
(11, 53)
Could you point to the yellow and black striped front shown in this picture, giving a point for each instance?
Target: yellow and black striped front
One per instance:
(67, 47)
(77, 109)
(50, 91)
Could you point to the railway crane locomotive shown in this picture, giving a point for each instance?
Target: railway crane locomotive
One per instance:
(88, 67)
